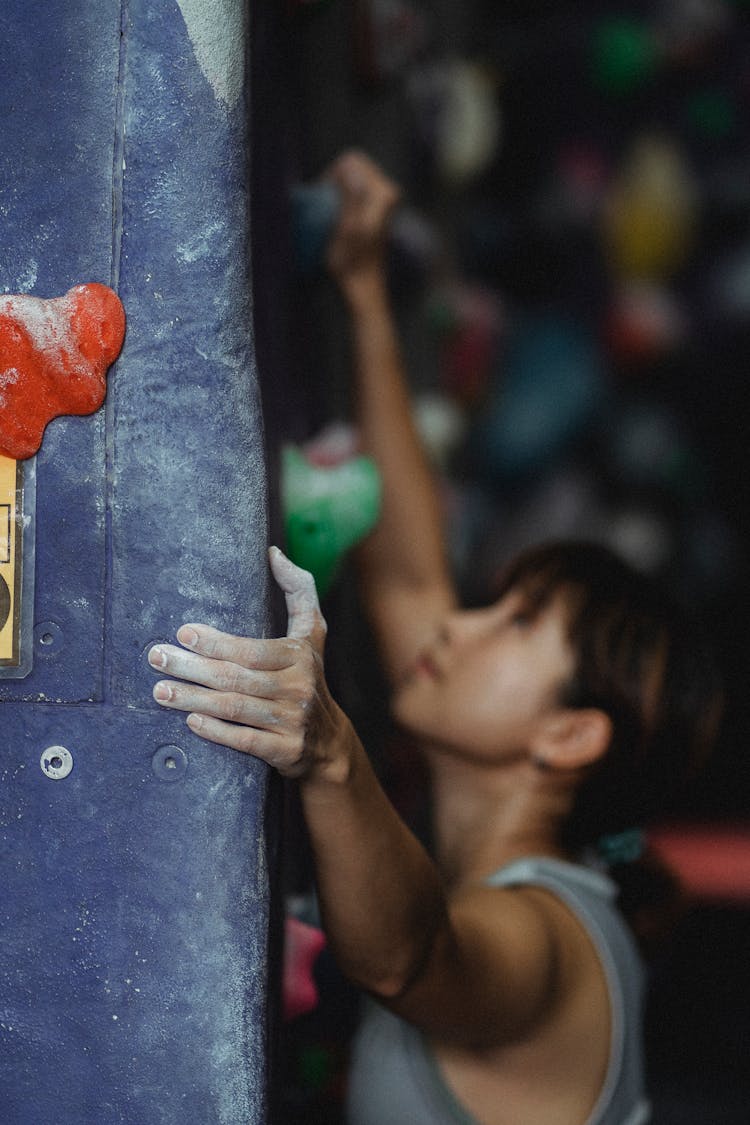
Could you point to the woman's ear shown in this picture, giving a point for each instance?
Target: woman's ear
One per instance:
(571, 739)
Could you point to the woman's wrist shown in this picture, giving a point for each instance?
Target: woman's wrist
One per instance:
(334, 765)
(365, 291)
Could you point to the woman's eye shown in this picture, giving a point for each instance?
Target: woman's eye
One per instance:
(518, 615)
(527, 612)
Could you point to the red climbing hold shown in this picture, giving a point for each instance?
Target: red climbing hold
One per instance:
(302, 945)
(54, 356)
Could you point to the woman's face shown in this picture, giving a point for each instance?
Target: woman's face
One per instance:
(481, 688)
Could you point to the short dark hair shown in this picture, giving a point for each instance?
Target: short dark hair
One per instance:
(640, 660)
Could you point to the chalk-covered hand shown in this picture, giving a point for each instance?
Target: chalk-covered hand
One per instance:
(268, 698)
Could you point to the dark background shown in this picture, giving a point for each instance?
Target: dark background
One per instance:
(656, 463)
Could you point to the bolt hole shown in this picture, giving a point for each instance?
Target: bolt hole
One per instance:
(169, 763)
(56, 763)
(47, 638)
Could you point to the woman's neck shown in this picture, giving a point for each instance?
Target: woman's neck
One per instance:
(487, 815)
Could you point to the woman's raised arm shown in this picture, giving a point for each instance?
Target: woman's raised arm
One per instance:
(405, 577)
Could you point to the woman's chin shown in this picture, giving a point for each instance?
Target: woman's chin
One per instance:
(405, 709)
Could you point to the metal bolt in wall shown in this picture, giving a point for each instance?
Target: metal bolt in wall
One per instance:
(169, 763)
(56, 762)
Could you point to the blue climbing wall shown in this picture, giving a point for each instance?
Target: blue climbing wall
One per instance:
(135, 890)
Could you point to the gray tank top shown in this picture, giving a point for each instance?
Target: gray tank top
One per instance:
(394, 1078)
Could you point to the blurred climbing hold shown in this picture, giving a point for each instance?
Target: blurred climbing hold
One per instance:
(624, 55)
(644, 322)
(468, 322)
(457, 113)
(326, 510)
(549, 389)
(302, 946)
(650, 212)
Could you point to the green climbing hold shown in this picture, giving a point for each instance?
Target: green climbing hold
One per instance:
(327, 510)
(624, 56)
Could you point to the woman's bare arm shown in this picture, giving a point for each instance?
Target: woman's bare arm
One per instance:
(405, 576)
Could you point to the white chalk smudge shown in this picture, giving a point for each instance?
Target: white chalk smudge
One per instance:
(8, 377)
(217, 33)
(47, 322)
(200, 246)
(27, 278)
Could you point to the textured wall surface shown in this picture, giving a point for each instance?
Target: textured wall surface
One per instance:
(135, 891)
